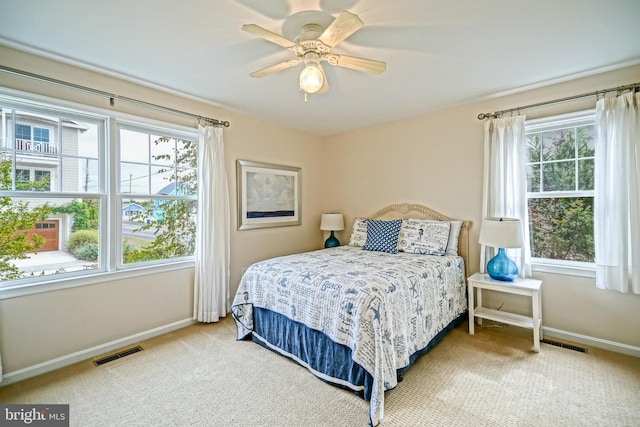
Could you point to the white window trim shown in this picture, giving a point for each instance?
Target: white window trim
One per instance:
(112, 271)
(567, 268)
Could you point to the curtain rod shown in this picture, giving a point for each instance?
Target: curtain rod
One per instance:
(619, 89)
(113, 97)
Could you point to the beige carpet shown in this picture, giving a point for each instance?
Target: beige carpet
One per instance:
(200, 376)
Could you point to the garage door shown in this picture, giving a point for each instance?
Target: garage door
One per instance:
(50, 230)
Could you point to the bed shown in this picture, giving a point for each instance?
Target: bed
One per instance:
(359, 315)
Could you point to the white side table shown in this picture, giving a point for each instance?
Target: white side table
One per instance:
(519, 286)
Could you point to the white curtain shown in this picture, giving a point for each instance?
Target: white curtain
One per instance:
(211, 284)
(505, 183)
(617, 193)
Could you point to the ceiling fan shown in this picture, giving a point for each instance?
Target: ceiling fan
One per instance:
(313, 45)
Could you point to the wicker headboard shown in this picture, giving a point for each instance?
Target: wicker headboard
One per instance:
(415, 211)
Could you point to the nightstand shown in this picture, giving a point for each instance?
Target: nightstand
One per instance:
(519, 286)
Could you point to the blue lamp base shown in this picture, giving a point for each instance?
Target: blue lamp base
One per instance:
(331, 242)
(501, 267)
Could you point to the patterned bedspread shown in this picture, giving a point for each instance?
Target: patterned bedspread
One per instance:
(385, 307)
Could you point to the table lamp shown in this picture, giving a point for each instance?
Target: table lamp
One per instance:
(501, 233)
(332, 222)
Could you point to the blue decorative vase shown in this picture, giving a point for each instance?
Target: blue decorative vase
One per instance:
(331, 242)
(501, 267)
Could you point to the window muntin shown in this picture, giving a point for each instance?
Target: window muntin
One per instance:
(560, 182)
(71, 164)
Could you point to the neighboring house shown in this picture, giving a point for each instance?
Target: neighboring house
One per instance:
(172, 189)
(131, 211)
(39, 142)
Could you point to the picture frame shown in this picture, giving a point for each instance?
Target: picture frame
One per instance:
(268, 195)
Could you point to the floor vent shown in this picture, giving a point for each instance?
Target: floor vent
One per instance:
(565, 345)
(116, 356)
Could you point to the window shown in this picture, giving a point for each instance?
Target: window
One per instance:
(66, 181)
(560, 184)
(41, 179)
(157, 194)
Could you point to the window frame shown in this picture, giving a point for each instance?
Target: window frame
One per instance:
(545, 124)
(138, 126)
(109, 268)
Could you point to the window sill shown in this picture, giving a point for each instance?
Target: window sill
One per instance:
(580, 270)
(24, 289)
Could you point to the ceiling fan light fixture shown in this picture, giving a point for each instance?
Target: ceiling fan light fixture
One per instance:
(311, 78)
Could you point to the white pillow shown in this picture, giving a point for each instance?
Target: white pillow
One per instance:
(454, 234)
(425, 237)
(358, 233)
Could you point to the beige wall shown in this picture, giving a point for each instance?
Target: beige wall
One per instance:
(434, 159)
(38, 328)
(437, 159)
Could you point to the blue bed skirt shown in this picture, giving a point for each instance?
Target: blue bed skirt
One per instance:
(329, 361)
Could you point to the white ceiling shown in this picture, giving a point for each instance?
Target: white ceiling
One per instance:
(438, 53)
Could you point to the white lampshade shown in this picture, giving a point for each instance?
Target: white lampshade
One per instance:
(311, 78)
(332, 222)
(501, 233)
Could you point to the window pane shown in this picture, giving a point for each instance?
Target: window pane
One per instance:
(559, 176)
(162, 180)
(134, 178)
(134, 146)
(586, 175)
(163, 150)
(42, 180)
(187, 153)
(40, 134)
(23, 131)
(562, 228)
(23, 178)
(586, 141)
(89, 141)
(533, 147)
(533, 178)
(558, 145)
(88, 180)
(157, 229)
(51, 236)
(187, 181)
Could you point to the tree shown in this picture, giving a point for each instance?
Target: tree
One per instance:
(16, 219)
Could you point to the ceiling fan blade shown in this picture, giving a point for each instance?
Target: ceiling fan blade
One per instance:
(342, 27)
(276, 67)
(359, 64)
(256, 30)
(325, 83)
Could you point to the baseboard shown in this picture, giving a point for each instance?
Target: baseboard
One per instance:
(50, 365)
(593, 342)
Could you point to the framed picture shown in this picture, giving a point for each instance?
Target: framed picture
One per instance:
(268, 195)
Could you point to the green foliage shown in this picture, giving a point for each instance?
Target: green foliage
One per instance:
(83, 244)
(40, 185)
(88, 252)
(85, 214)
(82, 238)
(16, 219)
(562, 228)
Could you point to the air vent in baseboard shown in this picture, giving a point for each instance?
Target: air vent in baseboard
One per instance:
(565, 345)
(118, 355)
